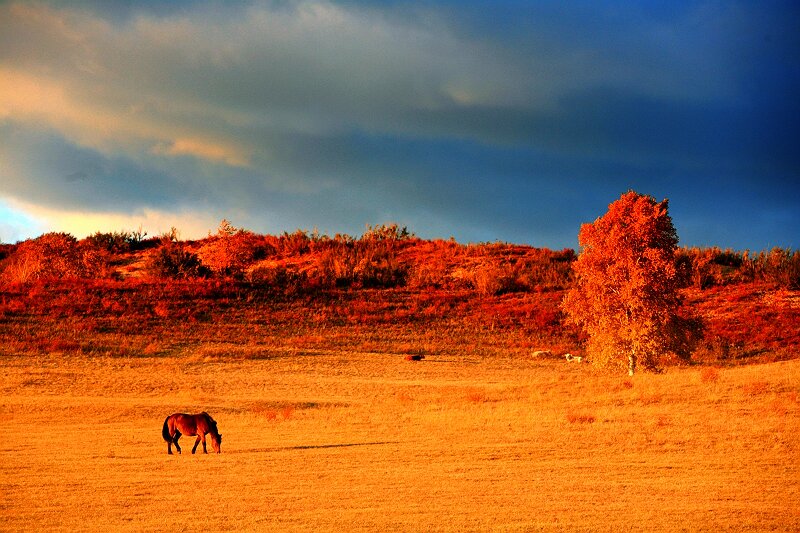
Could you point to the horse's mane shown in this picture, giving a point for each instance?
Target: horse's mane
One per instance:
(211, 421)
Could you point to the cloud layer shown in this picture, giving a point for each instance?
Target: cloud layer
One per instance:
(516, 123)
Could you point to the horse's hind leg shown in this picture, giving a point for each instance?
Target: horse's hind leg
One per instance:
(199, 438)
(175, 441)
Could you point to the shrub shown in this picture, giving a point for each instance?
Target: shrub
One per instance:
(780, 267)
(232, 250)
(173, 260)
(336, 265)
(490, 279)
(706, 267)
(6, 250)
(428, 274)
(53, 256)
(386, 233)
(506, 268)
(114, 242)
(365, 263)
(378, 266)
(296, 243)
(278, 279)
(173, 235)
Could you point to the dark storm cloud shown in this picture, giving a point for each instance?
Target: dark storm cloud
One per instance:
(52, 171)
(515, 122)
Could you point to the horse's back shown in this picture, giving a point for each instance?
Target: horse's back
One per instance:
(193, 424)
(185, 423)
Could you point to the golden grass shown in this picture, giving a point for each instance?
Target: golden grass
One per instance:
(344, 441)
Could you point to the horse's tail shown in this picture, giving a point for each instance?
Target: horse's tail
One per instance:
(165, 430)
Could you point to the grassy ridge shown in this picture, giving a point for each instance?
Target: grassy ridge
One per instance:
(249, 296)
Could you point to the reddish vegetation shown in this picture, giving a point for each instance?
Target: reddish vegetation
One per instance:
(747, 322)
(239, 294)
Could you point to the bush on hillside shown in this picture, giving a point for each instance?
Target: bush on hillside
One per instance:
(174, 260)
(702, 268)
(369, 264)
(495, 279)
(297, 243)
(279, 279)
(113, 242)
(779, 267)
(391, 233)
(53, 256)
(379, 267)
(232, 250)
(706, 267)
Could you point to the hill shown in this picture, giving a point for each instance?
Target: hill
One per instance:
(237, 294)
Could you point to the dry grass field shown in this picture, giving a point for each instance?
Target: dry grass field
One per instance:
(344, 441)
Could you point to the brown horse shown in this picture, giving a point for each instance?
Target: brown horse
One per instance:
(183, 424)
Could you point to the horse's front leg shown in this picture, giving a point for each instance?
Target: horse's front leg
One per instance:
(201, 437)
(194, 448)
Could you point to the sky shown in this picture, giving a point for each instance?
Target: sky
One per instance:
(482, 121)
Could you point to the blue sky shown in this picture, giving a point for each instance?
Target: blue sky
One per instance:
(512, 121)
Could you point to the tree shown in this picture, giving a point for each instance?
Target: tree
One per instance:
(625, 293)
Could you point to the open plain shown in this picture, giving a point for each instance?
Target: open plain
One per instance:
(334, 441)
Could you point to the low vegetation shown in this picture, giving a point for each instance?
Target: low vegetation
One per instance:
(123, 294)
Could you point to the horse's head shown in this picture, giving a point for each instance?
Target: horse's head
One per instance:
(216, 442)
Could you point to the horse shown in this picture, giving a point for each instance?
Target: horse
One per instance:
(182, 424)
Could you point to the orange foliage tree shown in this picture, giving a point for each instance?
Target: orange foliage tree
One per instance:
(625, 292)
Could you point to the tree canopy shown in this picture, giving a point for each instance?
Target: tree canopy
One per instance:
(625, 293)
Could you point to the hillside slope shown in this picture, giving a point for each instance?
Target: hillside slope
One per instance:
(238, 294)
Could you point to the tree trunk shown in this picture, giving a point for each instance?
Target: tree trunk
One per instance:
(631, 363)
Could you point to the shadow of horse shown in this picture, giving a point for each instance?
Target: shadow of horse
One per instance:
(311, 447)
